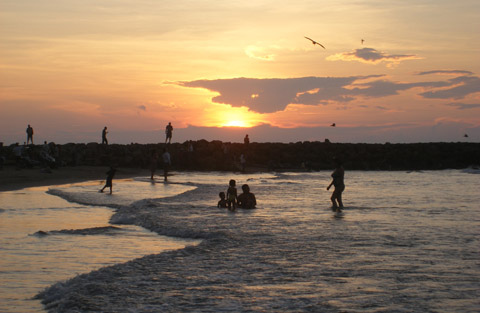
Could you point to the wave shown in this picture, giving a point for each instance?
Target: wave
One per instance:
(105, 230)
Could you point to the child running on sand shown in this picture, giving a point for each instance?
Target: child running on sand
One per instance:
(232, 195)
(222, 203)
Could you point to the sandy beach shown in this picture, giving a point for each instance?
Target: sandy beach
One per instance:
(13, 179)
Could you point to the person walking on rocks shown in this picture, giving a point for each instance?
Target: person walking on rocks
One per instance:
(104, 136)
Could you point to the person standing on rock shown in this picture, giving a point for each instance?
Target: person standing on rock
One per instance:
(168, 132)
(29, 134)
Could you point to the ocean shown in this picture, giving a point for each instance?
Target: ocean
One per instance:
(407, 242)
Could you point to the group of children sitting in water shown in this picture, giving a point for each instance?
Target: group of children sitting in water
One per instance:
(245, 201)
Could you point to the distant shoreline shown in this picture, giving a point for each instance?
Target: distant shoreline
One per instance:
(80, 162)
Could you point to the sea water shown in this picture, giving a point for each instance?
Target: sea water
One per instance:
(45, 239)
(407, 242)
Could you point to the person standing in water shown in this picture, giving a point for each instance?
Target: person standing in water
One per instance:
(231, 195)
(337, 181)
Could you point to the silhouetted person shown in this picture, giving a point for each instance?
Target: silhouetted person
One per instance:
(243, 162)
(29, 134)
(168, 132)
(109, 182)
(339, 185)
(166, 163)
(18, 153)
(153, 163)
(222, 203)
(231, 195)
(247, 199)
(246, 140)
(104, 136)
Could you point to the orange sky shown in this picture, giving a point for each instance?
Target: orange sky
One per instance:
(69, 68)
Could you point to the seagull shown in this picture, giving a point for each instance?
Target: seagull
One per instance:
(333, 125)
(314, 42)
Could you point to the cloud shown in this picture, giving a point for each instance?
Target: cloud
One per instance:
(275, 94)
(372, 56)
(464, 106)
(271, 95)
(260, 53)
(446, 72)
(460, 88)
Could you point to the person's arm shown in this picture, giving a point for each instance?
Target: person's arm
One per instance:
(328, 188)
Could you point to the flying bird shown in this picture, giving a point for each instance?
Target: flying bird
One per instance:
(466, 136)
(333, 125)
(314, 42)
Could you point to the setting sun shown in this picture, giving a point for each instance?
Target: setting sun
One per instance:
(236, 123)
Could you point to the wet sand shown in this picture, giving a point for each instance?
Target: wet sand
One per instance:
(13, 179)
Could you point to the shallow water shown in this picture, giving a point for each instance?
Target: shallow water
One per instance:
(408, 242)
(45, 239)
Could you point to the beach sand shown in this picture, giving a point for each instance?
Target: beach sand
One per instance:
(13, 179)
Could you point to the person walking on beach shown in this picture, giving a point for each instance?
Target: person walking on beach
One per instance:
(104, 136)
(231, 195)
(168, 132)
(109, 182)
(167, 162)
(29, 134)
(338, 183)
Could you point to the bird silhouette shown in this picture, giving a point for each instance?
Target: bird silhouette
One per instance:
(465, 135)
(333, 125)
(315, 43)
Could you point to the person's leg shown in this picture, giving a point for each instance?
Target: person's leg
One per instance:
(332, 198)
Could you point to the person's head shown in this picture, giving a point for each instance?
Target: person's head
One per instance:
(232, 182)
(221, 195)
(245, 188)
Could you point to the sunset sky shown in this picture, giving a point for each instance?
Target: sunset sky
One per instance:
(71, 67)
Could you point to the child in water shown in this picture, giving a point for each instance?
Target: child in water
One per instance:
(232, 195)
(222, 203)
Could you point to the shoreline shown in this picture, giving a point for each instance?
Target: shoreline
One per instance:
(13, 179)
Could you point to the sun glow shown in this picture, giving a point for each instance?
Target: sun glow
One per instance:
(236, 123)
